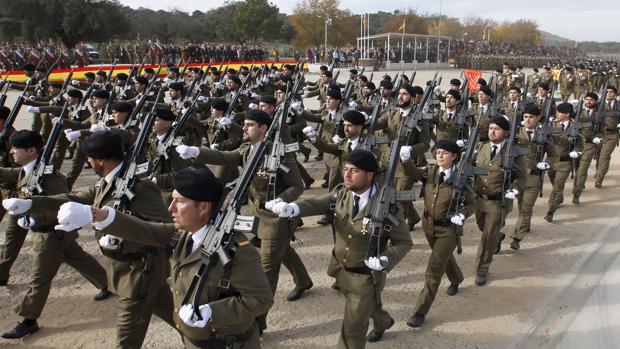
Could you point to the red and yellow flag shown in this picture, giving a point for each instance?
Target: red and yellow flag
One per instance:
(472, 77)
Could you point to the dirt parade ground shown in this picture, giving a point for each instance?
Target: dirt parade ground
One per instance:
(535, 297)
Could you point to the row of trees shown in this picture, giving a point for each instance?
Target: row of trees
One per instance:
(72, 21)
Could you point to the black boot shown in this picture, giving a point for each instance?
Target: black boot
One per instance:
(28, 326)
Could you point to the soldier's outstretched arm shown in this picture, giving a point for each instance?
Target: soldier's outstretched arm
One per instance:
(46, 204)
(135, 229)
(215, 157)
(314, 206)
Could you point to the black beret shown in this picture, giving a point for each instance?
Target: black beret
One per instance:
(177, 86)
(198, 184)
(57, 85)
(244, 73)
(75, 93)
(122, 107)
(102, 73)
(41, 69)
(323, 67)
(281, 87)
(592, 95)
(4, 112)
(259, 116)
(28, 67)
(363, 78)
(89, 74)
(547, 67)
(268, 99)
(173, 69)
(482, 82)
(25, 139)
(232, 71)
(418, 90)
(101, 94)
(170, 65)
(410, 90)
(501, 122)
(565, 107)
(149, 70)
(142, 80)
(121, 76)
(514, 88)
(404, 77)
(456, 82)
(535, 70)
(103, 145)
(219, 104)
(448, 145)
(354, 117)
(544, 86)
(486, 90)
(328, 74)
(216, 73)
(285, 78)
(386, 84)
(165, 114)
(289, 67)
(364, 160)
(454, 93)
(353, 71)
(532, 109)
(613, 88)
(387, 77)
(235, 78)
(371, 85)
(334, 93)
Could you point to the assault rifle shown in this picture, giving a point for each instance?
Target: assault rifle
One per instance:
(4, 85)
(370, 139)
(511, 154)
(4, 135)
(461, 183)
(43, 166)
(542, 136)
(574, 134)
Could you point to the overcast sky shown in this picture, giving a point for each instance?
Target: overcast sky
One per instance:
(572, 19)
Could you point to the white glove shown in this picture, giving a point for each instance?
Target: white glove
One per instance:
(224, 121)
(458, 219)
(269, 204)
(32, 109)
(366, 116)
(460, 143)
(375, 263)
(186, 313)
(253, 106)
(543, 166)
(596, 140)
(618, 126)
(310, 133)
(573, 154)
(98, 128)
(154, 180)
(187, 152)
(204, 99)
(277, 74)
(353, 105)
(214, 146)
(219, 86)
(285, 210)
(511, 194)
(55, 119)
(72, 135)
(298, 107)
(336, 139)
(529, 95)
(437, 90)
(255, 95)
(405, 153)
(26, 222)
(110, 242)
(73, 215)
(75, 82)
(265, 79)
(32, 98)
(16, 206)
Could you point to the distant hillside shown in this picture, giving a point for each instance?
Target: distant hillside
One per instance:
(549, 38)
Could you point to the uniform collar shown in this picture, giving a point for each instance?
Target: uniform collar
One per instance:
(29, 167)
(108, 178)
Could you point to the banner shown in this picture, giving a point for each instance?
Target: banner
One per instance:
(472, 77)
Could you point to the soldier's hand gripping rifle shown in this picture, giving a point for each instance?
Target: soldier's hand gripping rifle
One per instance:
(343, 107)
(574, 134)
(597, 118)
(4, 85)
(370, 140)
(461, 182)
(123, 186)
(43, 166)
(463, 115)
(412, 121)
(10, 120)
(106, 84)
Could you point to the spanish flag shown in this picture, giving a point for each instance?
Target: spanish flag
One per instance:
(402, 27)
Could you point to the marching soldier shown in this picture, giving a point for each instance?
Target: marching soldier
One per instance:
(567, 83)
(243, 290)
(546, 77)
(440, 232)
(512, 104)
(224, 135)
(274, 232)
(445, 121)
(590, 144)
(533, 81)
(565, 154)
(360, 278)
(136, 272)
(51, 247)
(492, 189)
(582, 81)
(482, 112)
(535, 165)
(609, 133)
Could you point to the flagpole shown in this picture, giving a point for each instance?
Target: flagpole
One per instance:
(402, 47)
